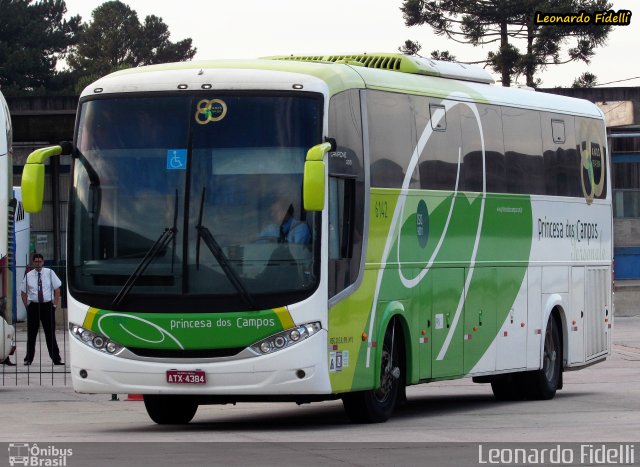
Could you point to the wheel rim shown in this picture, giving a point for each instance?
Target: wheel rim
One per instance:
(386, 377)
(550, 353)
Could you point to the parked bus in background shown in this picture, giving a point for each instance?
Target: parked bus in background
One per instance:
(434, 226)
(21, 238)
(7, 329)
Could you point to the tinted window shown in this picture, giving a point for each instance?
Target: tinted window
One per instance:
(561, 159)
(391, 137)
(438, 164)
(523, 151)
(493, 147)
(346, 191)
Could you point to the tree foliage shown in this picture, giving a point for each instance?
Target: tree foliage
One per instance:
(413, 48)
(116, 39)
(410, 47)
(585, 80)
(33, 37)
(444, 56)
(481, 22)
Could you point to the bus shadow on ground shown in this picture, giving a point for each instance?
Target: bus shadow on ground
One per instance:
(331, 414)
(328, 414)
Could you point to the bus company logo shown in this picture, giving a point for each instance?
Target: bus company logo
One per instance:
(212, 110)
(422, 223)
(33, 455)
(592, 170)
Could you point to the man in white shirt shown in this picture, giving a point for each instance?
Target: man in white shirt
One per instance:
(41, 295)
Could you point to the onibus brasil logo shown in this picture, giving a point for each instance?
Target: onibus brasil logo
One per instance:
(30, 454)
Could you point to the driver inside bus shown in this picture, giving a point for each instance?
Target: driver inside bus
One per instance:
(284, 227)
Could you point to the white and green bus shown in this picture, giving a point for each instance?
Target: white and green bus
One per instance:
(435, 226)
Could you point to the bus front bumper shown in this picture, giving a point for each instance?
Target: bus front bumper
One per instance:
(299, 369)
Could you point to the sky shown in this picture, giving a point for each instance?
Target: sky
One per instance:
(259, 28)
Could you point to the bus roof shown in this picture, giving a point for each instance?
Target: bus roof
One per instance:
(389, 72)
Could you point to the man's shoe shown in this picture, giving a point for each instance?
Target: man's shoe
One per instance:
(27, 363)
(59, 362)
(8, 362)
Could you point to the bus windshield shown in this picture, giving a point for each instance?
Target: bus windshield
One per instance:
(197, 196)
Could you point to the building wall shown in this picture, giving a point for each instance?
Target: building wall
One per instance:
(603, 95)
(38, 122)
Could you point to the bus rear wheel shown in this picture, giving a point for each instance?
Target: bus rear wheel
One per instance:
(545, 382)
(377, 405)
(170, 410)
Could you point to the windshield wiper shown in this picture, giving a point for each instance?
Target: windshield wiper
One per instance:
(205, 234)
(160, 244)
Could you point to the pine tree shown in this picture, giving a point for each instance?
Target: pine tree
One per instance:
(504, 22)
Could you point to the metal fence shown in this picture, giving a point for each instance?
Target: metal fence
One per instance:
(42, 371)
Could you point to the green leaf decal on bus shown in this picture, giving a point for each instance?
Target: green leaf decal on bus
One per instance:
(455, 278)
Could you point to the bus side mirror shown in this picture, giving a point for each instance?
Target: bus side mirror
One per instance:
(314, 175)
(33, 177)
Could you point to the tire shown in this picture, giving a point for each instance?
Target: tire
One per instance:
(170, 410)
(377, 405)
(545, 382)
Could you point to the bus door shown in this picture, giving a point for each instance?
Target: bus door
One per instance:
(446, 356)
(480, 321)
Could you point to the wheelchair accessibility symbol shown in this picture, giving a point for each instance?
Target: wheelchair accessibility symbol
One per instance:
(176, 159)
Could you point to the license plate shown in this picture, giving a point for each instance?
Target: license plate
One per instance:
(186, 377)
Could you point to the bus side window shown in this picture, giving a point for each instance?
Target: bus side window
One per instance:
(346, 206)
(524, 166)
(561, 160)
(438, 167)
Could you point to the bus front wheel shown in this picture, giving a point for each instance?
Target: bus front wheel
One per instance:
(170, 410)
(377, 405)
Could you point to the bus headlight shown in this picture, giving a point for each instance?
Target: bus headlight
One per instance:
(94, 340)
(286, 338)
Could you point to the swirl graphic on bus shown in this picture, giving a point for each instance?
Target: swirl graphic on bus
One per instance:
(424, 139)
(210, 110)
(141, 329)
(396, 223)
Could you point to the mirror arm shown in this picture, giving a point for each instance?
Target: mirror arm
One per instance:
(317, 153)
(332, 142)
(39, 156)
